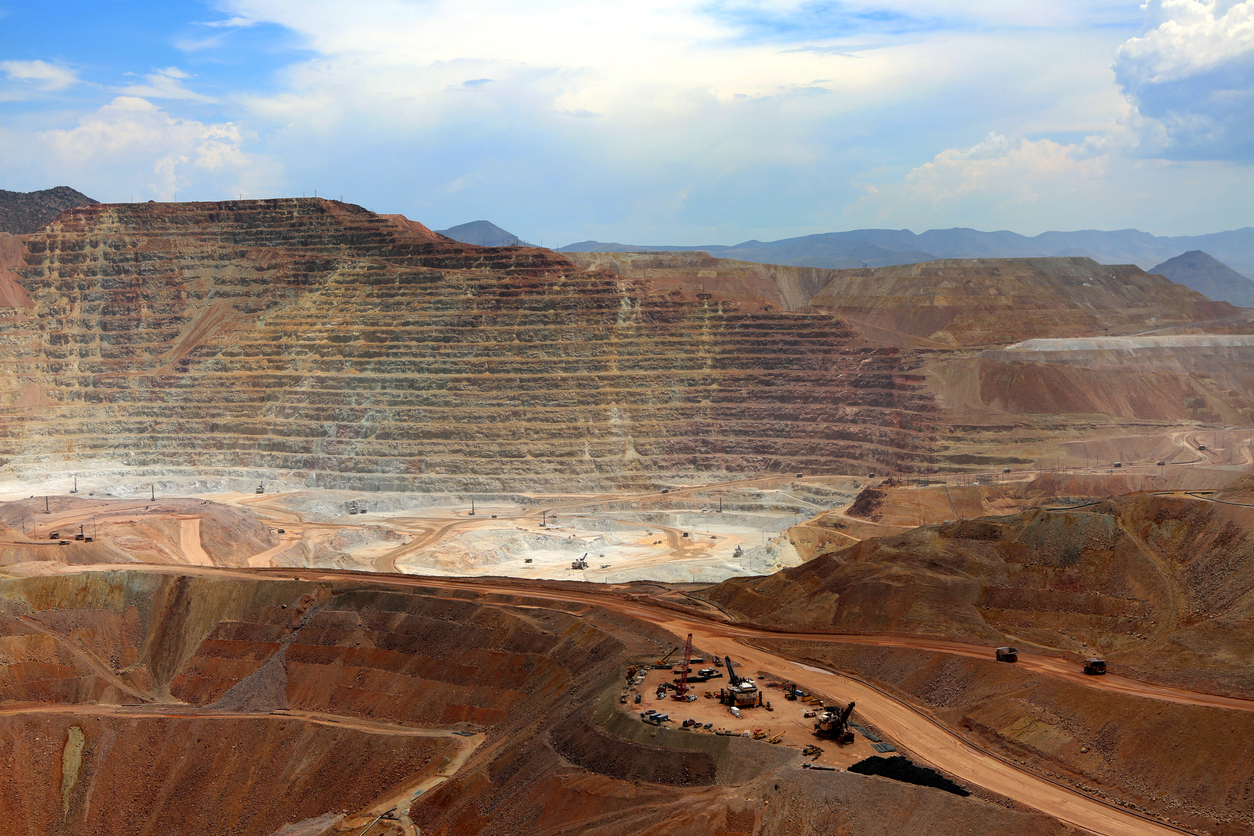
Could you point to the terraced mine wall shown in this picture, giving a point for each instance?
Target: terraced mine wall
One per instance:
(315, 339)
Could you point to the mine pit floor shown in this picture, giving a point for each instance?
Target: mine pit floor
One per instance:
(787, 716)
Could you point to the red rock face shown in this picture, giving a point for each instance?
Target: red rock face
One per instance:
(313, 336)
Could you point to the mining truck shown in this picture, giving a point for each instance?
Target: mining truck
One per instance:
(1095, 667)
(1007, 654)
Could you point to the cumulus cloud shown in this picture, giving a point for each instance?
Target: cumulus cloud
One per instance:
(1005, 169)
(147, 151)
(1193, 73)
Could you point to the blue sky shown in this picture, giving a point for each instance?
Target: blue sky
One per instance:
(648, 122)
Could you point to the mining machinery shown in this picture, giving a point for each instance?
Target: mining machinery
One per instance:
(1007, 654)
(681, 690)
(741, 692)
(833, 724)
(664, 662)
(581, 563)
(1095, 667)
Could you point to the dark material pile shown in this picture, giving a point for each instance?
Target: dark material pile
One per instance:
(24, 212)
(900, 769)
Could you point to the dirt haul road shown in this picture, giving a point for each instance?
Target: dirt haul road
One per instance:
(928, 741)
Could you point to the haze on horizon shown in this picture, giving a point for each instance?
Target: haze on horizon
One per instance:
(649, 122)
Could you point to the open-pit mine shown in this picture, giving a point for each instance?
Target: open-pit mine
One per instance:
(314, 522)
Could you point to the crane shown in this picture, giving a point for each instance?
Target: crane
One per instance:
(681, 691)
(777, 738)
(661, 663)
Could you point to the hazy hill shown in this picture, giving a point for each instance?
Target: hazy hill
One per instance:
(482, 234)
(1208, 276)
(888, 247)
(25, 212)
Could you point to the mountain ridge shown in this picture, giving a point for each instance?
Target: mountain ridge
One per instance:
(889, 247)
(1206, 274)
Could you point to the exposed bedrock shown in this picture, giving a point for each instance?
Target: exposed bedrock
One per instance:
(316, 337)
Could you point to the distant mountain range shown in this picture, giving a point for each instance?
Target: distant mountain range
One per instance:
(1179, 258)
(24, 212)
(886, 247)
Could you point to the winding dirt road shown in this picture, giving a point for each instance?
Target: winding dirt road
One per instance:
(919, 733)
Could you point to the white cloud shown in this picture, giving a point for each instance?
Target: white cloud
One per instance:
(167, 83)
(1006, 169)
(1193, 37)
(1032, 186)
(236, 22)
(36, 77)
(1192, 75)
(142, 149)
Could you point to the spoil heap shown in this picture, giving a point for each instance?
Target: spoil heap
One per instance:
(316, 337)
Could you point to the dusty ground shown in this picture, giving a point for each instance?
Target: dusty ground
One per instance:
(784, 716)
